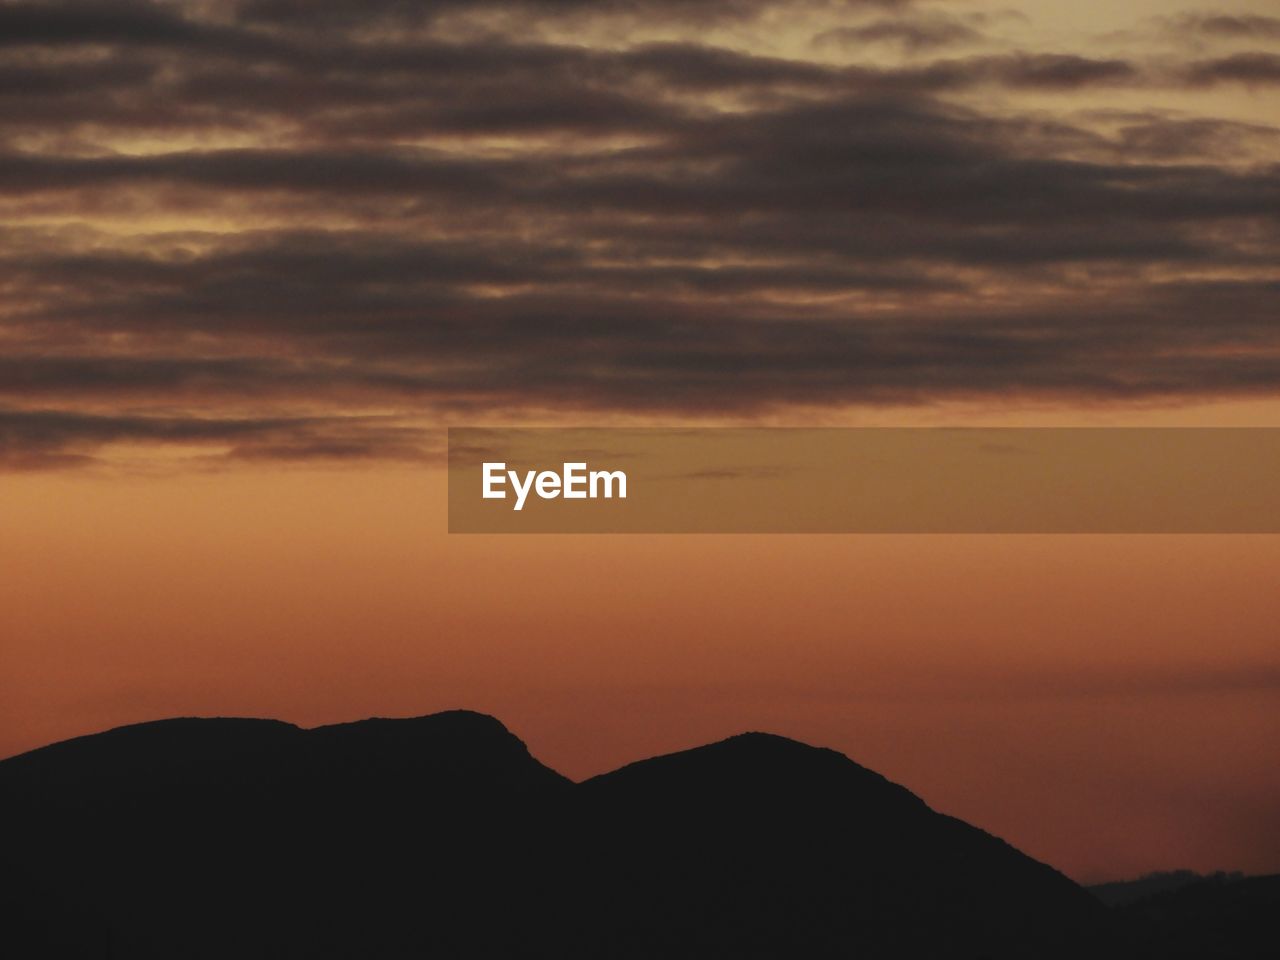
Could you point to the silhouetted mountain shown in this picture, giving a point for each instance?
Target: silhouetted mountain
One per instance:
(442, 836)
(782, 849)
(1119, 893)
(1222, 915)
(456, 751)
(248, 838)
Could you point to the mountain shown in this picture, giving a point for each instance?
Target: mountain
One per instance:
(442, 836)
(1220, 915)
(1121, 893)
(254, 838)
(819, 856)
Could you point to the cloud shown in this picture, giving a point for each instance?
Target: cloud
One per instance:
(1158, 136)
(1231, 26)
(345, 14)
(52, 439)
(914, 33)
(280, 236)
(135, 23)
(1251, 69)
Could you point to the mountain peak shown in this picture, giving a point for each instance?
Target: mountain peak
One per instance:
(436, 832)
(462, 726)
(758, 769)
(462, 748)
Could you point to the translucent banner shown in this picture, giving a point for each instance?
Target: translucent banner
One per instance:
(864, 480)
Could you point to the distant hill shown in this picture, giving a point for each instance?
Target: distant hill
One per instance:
(1222, 915)
(442, 836)
(1120, 893)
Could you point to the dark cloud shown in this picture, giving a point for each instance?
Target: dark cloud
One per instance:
(248, 227)
(1251, 69)
(1156, 136)
(346, 14)
(127, 22)
(914, 33)
(50, 439)
(400, 172)
(405, 90)
(1039, 71)
(1232, 26)
(1057, 70)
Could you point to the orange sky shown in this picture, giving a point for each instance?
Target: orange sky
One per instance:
(1106, 703)
(256, 254)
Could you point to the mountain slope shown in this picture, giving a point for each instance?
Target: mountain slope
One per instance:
(821, 855)
(442, 836)
(1225, 915)
(250, 838)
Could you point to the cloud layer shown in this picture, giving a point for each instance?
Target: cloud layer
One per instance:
(268, 232)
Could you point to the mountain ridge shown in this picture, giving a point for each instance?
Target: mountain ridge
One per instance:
(442, 833)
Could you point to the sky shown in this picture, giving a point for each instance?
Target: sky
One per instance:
(255, 256)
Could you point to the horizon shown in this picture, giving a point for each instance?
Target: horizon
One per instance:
(1086, 882)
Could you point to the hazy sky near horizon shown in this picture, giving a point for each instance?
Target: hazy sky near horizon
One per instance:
(256, 254)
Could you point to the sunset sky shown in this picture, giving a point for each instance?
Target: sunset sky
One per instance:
(255, 256)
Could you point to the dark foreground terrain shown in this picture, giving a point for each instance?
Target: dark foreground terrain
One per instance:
(442, 837)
